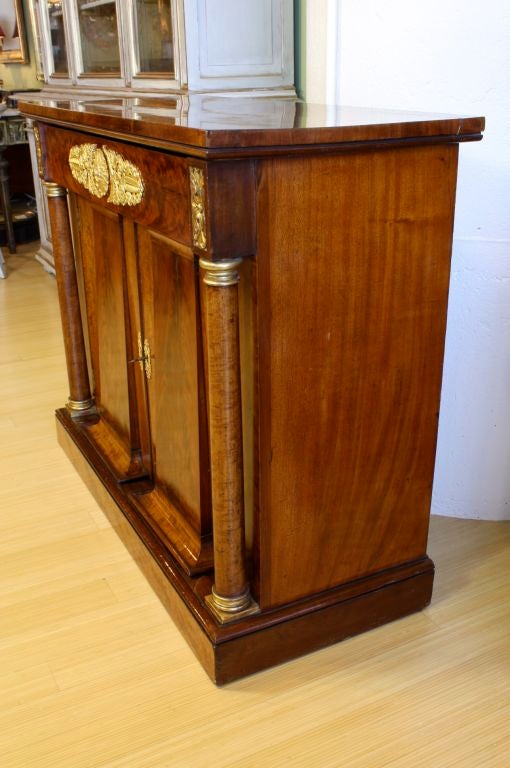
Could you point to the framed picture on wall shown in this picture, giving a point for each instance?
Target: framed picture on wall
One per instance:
(13, 38)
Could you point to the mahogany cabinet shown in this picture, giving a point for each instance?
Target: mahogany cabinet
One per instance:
(254, 300)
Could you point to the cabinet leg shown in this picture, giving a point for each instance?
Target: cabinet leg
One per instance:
(80, 398)
(230, 598)
(6, 199)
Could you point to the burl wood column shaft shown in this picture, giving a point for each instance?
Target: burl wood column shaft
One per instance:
(230, 598)
(79, 388)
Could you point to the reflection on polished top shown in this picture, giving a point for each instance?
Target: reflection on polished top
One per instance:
(218, 122)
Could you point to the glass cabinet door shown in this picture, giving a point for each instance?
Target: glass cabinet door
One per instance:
(99, 37)
(54, 11)
(35, 25)
(154, 36)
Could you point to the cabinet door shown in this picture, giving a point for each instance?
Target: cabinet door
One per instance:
(52, 37)
(152, 44)
(115, 434)
(171, 327)
(141, 302)
(96, 43)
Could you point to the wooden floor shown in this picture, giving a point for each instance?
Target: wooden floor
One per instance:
(93, 673)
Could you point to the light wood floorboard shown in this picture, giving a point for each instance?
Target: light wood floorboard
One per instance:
(93, 673)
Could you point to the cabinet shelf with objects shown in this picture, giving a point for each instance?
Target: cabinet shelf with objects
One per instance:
(156, 47)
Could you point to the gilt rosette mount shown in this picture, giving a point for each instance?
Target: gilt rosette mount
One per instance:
(106, 174)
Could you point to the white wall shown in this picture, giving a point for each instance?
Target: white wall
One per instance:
(448, 56)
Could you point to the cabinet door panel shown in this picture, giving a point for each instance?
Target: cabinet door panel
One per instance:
(171, 326)
(101, 246)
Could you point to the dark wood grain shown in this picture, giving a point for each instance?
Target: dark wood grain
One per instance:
(100, 236)
(137, 381)
(67, 283)
(212, 124)
(231, 215)
(168, 285)
(352, 314)
(153, 429)
(165, 204)
(232, 651)
(180, 503)
(103, 265)
(221, 350)
(311, 631)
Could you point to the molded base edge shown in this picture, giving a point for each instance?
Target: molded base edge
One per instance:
(257, 642)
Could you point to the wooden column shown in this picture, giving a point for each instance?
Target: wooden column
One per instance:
(80, 398)
(230, 598)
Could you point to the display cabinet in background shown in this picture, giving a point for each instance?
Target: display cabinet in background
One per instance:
(156, 47)
(162, 45)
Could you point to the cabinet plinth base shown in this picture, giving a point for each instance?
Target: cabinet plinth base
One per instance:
(255, 642)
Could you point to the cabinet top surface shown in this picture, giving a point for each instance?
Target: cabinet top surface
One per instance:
(211, 123)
